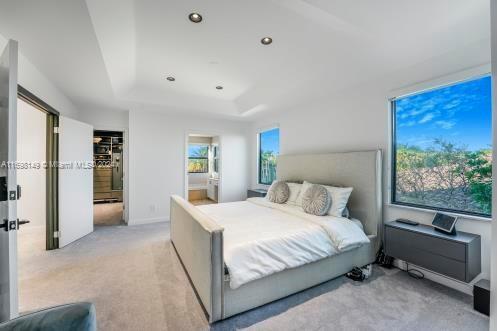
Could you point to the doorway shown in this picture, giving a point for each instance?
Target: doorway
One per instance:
(108, 178)
(31, 155)
(203, 155)
(37, 148)
(37, 198)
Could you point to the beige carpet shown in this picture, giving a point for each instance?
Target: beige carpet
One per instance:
(108, 213)
(137, 283)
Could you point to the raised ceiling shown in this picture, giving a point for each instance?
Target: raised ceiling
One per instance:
(116, 54)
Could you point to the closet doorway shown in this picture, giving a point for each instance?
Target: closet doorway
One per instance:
(203, 164)
(108, 178)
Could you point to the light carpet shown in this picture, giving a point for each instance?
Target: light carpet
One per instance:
(136, 281)
(108, 213)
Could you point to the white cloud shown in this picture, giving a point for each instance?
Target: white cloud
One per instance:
(447, 125)
(428, 117)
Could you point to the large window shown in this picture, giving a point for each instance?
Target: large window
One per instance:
(198, 158)
(269, 148)
(442, 148)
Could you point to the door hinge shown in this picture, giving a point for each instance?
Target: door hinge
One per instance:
(55, 129)
(56, 234)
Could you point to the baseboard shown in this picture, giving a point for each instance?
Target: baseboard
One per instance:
(441, 279)
(141, 221)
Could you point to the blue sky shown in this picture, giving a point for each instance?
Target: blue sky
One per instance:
(270, 141)
(460, 113)
(193, 149)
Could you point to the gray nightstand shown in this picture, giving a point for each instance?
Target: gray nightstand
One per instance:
(456, 256)
(256, 193)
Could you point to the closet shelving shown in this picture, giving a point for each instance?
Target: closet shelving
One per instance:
(108, 171)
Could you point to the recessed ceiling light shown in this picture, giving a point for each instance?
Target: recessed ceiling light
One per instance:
(171, 79)
(266, 40)
(219, 87)
(195, 17)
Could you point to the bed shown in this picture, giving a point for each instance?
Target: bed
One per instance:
(205, 239)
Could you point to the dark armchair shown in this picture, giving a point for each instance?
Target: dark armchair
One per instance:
(70, 317)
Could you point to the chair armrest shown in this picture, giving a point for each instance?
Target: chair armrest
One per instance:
(70, 317)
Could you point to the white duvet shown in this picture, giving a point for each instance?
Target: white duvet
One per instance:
(261, 238)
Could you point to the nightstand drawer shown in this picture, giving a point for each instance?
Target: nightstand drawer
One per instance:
(424, 257)
(423, 243)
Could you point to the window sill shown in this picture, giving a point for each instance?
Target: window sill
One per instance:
(432, 211)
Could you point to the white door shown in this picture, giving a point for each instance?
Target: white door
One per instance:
(8, 182)
(75, 180)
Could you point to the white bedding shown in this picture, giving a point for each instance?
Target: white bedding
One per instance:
(262, 238)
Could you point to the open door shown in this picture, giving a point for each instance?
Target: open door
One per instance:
(8, 183)
(75, 180)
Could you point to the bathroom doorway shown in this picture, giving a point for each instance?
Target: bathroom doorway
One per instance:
(108, 178)
(203, 158)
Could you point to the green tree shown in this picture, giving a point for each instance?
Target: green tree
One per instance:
(480, 178)
(445, 175)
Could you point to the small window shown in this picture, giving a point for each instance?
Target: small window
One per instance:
(215, 155)
(198, 158)
(442, 152)
(269, 148)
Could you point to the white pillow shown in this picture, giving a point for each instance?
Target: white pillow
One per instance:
(303, 188)
(294, 193)
(339, 198)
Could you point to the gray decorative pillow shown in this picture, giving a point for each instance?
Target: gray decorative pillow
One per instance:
(316, 200)
(278, 192)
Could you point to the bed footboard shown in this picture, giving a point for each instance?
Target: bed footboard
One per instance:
(199, 243)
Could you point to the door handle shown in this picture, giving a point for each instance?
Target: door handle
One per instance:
(21, 222)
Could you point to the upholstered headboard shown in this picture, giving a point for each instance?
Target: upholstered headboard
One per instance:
(360, 170)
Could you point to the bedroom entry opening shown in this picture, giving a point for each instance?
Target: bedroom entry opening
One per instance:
(108, 178)
(37, 191)
(203, 158)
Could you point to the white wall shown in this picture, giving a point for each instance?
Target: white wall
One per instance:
(358, 119)
(37, 83)
(157, 160)
(196, 179)
(31, 147)
(234, 164)
(104, 119)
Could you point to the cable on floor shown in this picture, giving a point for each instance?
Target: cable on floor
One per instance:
(414, 273)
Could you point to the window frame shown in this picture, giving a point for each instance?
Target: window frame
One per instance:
(393, 148)
(199, 158)
(259, 167)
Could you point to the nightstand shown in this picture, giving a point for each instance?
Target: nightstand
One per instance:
(256, 193)
(456, 256)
